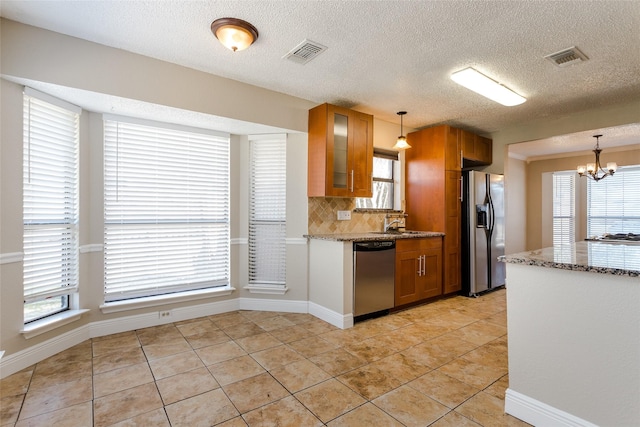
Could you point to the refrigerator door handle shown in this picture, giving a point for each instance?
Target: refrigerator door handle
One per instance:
(492, 216)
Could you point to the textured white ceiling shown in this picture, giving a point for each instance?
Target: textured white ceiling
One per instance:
(384, 56)
(624, 137)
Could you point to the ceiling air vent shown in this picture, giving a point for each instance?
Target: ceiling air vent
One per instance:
(567, 57)
(305, 52)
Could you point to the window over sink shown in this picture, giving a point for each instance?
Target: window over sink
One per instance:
(386, 182)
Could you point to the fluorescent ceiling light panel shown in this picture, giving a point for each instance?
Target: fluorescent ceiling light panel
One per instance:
(478, 82)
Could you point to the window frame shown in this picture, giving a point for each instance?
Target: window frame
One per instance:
(51, 161)
(186, 233)
(567, 200)
(267, 212)
(394, 181)
(610, 196)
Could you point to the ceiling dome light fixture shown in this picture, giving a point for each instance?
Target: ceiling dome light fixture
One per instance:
(594, 170)
(401, 143)
(489, 88)
(235, 34)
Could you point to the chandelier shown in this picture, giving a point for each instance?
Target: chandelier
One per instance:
(594, 170)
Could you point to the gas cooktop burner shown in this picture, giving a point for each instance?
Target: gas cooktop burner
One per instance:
(624, 237)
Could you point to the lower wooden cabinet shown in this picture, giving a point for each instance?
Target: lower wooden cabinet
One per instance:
(418, 269)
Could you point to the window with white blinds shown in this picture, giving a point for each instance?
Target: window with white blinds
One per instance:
(385, 185)
(166, 209)
(50, 205)
(564, 208)
(267, 211)
(613, 204)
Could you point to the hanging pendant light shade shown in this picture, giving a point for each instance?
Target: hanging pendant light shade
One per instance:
(401, 143)
(234, 34)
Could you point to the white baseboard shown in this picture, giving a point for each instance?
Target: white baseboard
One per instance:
(537, 413)
(140, 321)
(15, 362)
(342, 321)
(23, 359)
(274, 305)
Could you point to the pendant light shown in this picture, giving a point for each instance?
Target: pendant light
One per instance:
(594, 170)
(234, 34)
(401, 143)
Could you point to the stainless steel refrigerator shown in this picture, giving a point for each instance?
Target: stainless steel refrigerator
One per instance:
(482, 232)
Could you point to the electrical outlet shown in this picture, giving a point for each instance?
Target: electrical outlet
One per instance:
(344, 215)
(164, 314)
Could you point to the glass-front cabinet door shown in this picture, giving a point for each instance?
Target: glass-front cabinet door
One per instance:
(340, 151)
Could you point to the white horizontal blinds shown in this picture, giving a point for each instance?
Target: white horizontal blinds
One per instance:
(50, 199)
(166, 210)
(267, 211)
(613, 204)
(564, 211)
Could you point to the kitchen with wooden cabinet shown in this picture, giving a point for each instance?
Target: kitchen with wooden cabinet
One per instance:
(340, 165)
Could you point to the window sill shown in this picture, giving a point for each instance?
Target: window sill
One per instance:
(50, 323)
(271, 290)
(136, 303)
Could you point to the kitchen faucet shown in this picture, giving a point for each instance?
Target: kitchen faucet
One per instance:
(387, 226)
(399, 219)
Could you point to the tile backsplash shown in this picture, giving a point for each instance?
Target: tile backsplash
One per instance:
(323, 217)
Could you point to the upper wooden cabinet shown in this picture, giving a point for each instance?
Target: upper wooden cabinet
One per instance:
(340, 160)
(476, 148)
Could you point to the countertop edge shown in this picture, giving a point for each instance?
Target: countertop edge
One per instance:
(373, 236)
(572, 267)
(536, 258)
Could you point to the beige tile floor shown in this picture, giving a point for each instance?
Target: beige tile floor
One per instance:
(439, 364)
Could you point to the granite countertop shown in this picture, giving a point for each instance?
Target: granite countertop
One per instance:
(373, 236)
(621, 259)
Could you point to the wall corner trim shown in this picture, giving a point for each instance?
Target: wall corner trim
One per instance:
(342, 321)
(538, 413)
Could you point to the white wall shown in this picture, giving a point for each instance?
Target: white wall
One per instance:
(515, 205)
(574, 345)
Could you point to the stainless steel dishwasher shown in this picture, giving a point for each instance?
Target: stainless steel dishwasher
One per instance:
(373, 276)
